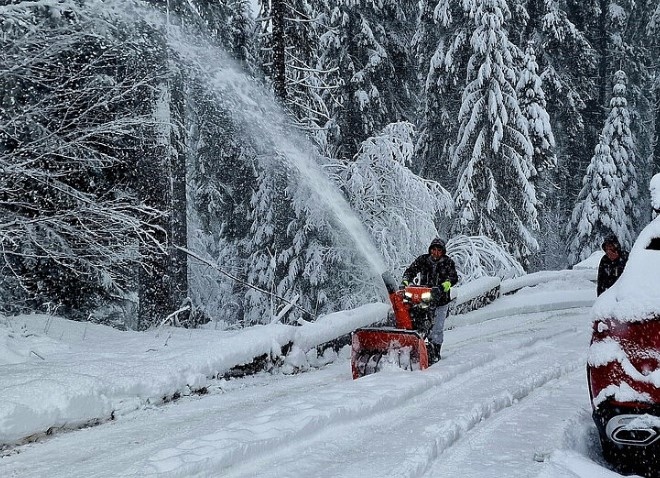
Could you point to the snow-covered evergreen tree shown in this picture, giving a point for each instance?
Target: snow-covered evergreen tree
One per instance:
(240, 40)
(266, 241)
(442, 47)
(533, 107)
(221, 174)
(531, 96)
(568, 66)
(291, 248)
(366, 48)
(493, 155)
(607, 202)
(289, 39)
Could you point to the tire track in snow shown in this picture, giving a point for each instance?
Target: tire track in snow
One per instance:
(300, 420)
(526, 447)
(462, 426)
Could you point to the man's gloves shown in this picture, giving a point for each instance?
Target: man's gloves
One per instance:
(437, 293)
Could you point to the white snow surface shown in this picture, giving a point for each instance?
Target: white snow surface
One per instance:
(509, 398)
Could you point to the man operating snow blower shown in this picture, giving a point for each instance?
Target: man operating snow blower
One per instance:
(419, 310)
(438, 271)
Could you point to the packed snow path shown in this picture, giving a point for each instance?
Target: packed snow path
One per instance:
(508, 399)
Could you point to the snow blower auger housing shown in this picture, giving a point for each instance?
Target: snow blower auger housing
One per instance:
(401, 346)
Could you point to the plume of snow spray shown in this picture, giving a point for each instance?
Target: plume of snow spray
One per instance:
(266, 121)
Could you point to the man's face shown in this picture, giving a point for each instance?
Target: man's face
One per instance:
(612, 253)
(436, 253)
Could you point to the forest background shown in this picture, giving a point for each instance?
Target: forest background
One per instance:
(135, 191)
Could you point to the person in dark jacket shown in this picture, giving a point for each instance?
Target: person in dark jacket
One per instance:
(611, 265)
(438, 271)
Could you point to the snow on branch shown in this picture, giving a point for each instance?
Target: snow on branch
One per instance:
(480, 256)
(399, 208)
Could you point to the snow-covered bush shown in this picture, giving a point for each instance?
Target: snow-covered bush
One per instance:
(479, 256)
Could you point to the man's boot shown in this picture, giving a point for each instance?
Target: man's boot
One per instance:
(433, 350)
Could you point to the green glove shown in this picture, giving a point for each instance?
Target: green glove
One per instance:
(404, 284)
(446, 285)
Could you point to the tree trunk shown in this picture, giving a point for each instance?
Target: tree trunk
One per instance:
(278, 11)
(603, 50)
(153, 279)
(178, 220)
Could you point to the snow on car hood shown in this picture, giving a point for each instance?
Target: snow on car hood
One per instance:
(635, 296)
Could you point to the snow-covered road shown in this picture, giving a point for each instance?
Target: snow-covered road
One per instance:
(508, 399)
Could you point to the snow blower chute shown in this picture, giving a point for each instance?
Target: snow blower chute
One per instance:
(401, 346)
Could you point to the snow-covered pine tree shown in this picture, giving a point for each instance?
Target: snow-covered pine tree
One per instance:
(628, 50)
(568, 67)
(442, 47)
(617, 133)
(270, 216)
(493, 155)
(365, 47)
(289, 38)
(607, 202)
(241, 38)
(533, 107)
(291, 251)
(319, 273)
(221, 174)
(398, 208)
(531, 96)
(611, 38)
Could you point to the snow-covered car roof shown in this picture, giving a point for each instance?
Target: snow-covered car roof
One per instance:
(636, 295)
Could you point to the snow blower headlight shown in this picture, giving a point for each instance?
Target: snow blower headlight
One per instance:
(426, 296)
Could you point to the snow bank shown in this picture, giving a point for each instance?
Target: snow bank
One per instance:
(59, 373)
(466, 292)
(536, 278)
(331, 326)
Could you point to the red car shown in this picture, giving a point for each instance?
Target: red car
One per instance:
(624, 361)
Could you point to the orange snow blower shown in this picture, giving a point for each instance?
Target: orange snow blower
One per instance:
(400, 346)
